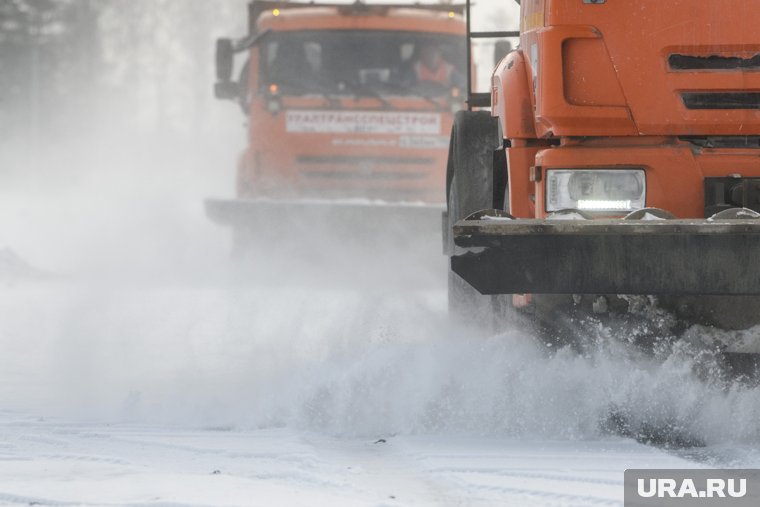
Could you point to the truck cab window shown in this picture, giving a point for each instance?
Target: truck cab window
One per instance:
(353, 62)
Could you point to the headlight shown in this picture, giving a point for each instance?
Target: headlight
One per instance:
(595, 190)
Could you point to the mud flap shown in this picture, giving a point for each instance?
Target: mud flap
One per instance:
(684, 257)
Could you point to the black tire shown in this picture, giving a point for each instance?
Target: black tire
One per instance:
(474, 139)
(470, 188)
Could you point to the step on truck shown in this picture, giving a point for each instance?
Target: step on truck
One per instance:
(349, 107)
(619, 166)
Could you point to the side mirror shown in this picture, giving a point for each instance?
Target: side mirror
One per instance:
(501, 49)
(225, 59)
(227, 90)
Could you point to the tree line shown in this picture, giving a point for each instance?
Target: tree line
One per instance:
(148, 62)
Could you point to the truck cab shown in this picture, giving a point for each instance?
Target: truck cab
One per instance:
(347, 101)
(658, 100)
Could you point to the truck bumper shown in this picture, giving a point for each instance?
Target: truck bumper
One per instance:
(677, 257)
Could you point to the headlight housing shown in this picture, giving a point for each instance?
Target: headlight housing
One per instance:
(600, 190)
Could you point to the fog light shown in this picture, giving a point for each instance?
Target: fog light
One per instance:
(604, 205)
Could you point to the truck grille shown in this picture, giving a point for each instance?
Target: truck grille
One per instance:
(721, 100)
(713, 62)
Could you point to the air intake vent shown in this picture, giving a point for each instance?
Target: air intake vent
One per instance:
(722, 100)
(714, 62)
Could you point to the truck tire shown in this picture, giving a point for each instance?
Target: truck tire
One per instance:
(470, 188)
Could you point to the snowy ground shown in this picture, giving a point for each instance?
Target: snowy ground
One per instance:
(140, 366)
(134, 394)
(50, 462)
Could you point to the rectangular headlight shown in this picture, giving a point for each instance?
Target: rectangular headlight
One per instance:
(607, 190)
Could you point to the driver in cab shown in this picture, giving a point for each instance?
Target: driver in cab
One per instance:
(431, 67)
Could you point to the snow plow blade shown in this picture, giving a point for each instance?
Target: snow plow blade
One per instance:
(678, 257)
(329, 217)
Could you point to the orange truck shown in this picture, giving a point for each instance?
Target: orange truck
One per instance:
(628, 143)
(349, 108)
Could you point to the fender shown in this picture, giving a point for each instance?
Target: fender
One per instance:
(511, 97)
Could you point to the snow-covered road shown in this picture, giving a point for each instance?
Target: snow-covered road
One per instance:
(53, 462)
(135, 394)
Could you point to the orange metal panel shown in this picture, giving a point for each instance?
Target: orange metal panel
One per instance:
(675, 171)
(640, 36)
(521, 190)
(555, 116)
(329, 18)
(511, 98)
(299, 164)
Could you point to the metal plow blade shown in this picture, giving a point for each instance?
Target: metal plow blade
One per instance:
(683, 257)
(359, 219)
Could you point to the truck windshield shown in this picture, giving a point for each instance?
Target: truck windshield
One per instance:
(388, 63)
